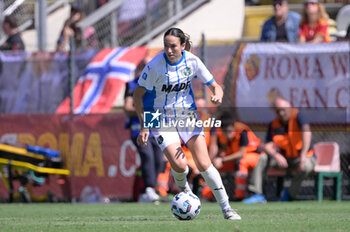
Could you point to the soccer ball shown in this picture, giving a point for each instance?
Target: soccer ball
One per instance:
(185, 206)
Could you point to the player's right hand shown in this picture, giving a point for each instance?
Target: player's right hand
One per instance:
(216, 99)
(143, 137)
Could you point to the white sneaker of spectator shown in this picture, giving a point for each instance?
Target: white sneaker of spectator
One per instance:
(151, 194)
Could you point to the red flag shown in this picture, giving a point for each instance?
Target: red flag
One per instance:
(103, 80)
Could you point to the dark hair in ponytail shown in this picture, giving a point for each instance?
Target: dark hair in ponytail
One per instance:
(184, 38)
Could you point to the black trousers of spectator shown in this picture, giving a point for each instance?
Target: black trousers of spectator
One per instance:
(151, 161)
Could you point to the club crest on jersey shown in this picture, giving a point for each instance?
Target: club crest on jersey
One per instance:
(160, 139)
(176, 88)
(187, 72)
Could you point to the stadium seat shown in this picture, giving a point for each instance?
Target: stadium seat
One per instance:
(328, 165)
(254, 18)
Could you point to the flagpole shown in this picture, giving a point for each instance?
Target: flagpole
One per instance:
(71, 72)
(204, 60)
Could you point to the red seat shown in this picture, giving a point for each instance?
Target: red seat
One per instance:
(328, 165)
(327, 157)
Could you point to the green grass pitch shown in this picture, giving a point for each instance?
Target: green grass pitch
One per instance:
(303, 216)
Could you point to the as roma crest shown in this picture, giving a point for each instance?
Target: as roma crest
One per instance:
(252, 67)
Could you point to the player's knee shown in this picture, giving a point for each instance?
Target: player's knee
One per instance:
(203, 166)
(180, 169)
(180, 166)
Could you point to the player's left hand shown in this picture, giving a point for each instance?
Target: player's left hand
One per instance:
(217, 93)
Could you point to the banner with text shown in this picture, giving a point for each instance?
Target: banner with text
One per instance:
(313, 77)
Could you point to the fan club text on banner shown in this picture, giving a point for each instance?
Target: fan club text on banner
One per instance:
(313, 76)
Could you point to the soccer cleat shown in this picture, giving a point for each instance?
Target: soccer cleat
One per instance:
(186, 188)
(256, 198)
(230, 214)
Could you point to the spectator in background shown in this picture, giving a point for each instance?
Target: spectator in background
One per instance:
(314, 23)
(14, 41)
(130, 16)
(238, 150)
(347, 36)
(151, 154)
(287, 147)
(283, 26)
(70, 28)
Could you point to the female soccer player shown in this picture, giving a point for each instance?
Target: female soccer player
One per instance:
(165, 85)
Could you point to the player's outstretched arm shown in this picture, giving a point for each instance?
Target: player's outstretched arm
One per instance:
(138, 102)
(217, 91)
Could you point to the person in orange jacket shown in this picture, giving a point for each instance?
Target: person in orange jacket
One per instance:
(288, 147)
(238, 149)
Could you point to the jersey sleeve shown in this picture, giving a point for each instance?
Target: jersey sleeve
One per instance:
(147, 78)
(301, 120)
(269, 133)
(128, 92)
(203, 73)
(243, 142)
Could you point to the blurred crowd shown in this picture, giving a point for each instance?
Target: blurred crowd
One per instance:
(311, 26)
(288, 26)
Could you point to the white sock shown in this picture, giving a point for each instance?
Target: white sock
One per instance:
(181, 180)
(213, 180)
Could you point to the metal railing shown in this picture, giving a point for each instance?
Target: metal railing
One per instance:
(134, 22)
(25, 12)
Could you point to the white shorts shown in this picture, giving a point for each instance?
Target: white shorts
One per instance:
(171, 133)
